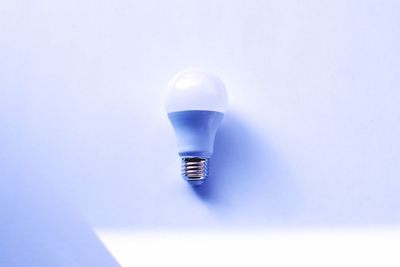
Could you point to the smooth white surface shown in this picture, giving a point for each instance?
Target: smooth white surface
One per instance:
(311, 138)
(298, 248)
(196, 89)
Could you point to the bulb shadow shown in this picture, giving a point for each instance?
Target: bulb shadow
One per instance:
(248, 182)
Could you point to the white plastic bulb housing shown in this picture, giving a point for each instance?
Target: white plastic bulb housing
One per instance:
(195, 89)
(195, 103)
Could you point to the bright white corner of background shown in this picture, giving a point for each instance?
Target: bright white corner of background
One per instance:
(362, 247)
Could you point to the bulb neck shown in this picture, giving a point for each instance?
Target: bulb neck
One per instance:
(195, 131)
(195, 170)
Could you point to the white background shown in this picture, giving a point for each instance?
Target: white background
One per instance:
(310, 140)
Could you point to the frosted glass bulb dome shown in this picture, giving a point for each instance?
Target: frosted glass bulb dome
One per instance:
(196, 89)
(195, 103)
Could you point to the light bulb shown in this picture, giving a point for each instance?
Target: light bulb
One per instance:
(195, 103)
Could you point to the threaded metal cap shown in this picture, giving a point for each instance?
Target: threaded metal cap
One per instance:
(195, 170)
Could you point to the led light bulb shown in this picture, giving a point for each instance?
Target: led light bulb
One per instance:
(195, 102)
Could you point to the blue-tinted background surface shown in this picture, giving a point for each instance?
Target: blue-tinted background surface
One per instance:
(311, 137)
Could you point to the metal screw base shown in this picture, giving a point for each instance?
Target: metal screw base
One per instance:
(195, 170)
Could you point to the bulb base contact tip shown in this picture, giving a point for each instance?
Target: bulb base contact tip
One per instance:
(195, 170)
